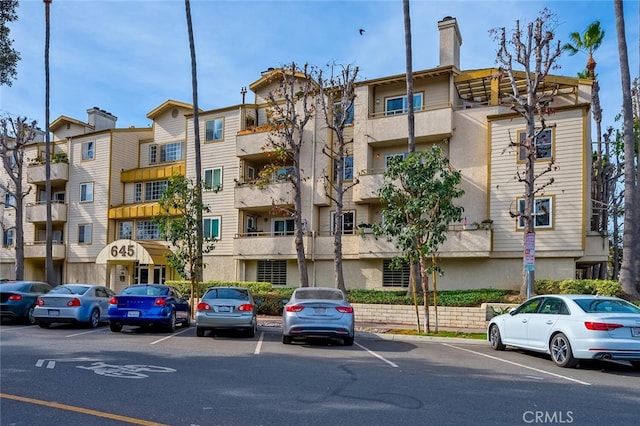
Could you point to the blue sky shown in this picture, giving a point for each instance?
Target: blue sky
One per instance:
(128, 57)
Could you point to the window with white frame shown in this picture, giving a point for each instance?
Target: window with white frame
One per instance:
(389, 157)
(147, 230)
(153, 154)
(84, 233)
(171, 152)
(153, 190)
(9, 237)
(347, 172)
(348, 222)
(214, 130)
(213, 179)
(86, 192)
(543, 145)
(283, 226)
(9, 200)
(138, 192)
(211, 228)
(125, 230)
(88, 150)
(398, 104)
(542, 213)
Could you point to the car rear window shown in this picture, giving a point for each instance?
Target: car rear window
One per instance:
(607, 306)
(227, 293)
(144, 290)
(70, 289)
(319, 294)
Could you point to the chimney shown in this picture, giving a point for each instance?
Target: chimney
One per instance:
(450, 42)
(100, 119)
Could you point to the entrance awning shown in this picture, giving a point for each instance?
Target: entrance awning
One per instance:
(143, 252)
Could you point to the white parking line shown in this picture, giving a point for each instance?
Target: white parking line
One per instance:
(84, 332)
(377, 355)
(560, 376)
(169, 337)
(259, 345)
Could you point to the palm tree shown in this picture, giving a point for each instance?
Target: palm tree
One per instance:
(630, 269)
(49, 271)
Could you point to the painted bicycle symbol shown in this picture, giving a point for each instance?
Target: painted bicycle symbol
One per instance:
(125, 371)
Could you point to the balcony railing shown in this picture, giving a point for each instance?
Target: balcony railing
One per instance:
(430, 121)
(37, 212)
(36, 174)
(37, 250)
(254, 195)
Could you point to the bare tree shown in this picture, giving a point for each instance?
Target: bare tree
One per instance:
(337, 94)
(14, 137)
(292, 105)
(630, 269)
(535, 50)
(49, 271)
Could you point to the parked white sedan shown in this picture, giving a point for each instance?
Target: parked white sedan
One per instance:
(571, 328)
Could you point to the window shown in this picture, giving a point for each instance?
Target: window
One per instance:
(529, 307)
(389, 157)
(84, 234)
(541, 213)
(348, 221)
(213, 179)
(86, 192)
(153, 154)
(283, 174)
(8, 239)
(395, 277)
(347, 173)
(213, 130)
(211, 228)
(272, 271)
(125, 230)
(88, 151)
(138, 192)
(283, 226)
(9, 200)
(338, 114)
(147, 230)
(543, 145)
(154, 190)
(398, 105)
(58, 197)
(171, 152)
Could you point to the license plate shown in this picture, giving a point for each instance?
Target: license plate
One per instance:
(134, 314)
(635, 331)
(54, 312)
(224, 309)
(319, 311)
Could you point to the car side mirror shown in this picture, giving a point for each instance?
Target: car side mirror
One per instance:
(285, 301)
(513, 311)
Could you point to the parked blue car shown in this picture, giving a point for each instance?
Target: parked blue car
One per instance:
(18, 299)
(148, 305)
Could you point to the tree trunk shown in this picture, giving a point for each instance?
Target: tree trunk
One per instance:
(425, 291)
(49, 271)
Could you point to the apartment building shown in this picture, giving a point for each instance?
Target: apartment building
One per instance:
(105, 195)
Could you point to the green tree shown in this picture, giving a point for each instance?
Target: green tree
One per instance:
(418, 195)
(9, 57)
(178, 224)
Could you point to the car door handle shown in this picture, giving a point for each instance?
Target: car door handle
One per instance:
(549, 322)
(524, 320)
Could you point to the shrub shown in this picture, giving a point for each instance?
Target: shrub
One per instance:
(184, 287)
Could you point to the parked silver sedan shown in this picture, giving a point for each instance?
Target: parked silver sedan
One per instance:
(226, 308)
(86, 304)
(571, 328)
(318, 312)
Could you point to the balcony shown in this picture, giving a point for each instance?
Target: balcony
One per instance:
(266, 246)
(251, 141)
(433, 121)
(37, 213)
(596, 248)
(251, 195)
(369, 187)
(37, 250)
(36, 174)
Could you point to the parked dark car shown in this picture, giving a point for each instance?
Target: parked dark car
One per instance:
(148, 305)
(18, 299)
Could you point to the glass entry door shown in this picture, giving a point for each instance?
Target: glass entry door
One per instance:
(150, 274)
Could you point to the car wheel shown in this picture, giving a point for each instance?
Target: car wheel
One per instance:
(94, 319)
(44, 324)
(116, 327)
(251, 332)
(29, 318)
(199, 331)
(495, 339)
(286, 339)
(561, 353)
(187, 321)
(171, 327)
(348, 341)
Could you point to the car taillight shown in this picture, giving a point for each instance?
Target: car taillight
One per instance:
(294, 308)
(345, 309)
(203, 306)
(74, 302)
(15, 297)
(160, 301)
(40, 301)
(247, 307)
(601, 326)
(113, 301)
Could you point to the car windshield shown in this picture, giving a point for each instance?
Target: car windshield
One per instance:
(70, 289)
(144, 290)
(319, 294)
(607, 306)
(227, 293)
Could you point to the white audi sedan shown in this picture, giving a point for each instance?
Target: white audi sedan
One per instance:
(571, 327)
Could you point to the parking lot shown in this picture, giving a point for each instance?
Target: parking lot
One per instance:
(93, 376)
